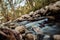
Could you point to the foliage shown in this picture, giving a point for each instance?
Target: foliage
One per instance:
(9, 11)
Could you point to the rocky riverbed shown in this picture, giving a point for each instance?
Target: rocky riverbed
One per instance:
(43, 24)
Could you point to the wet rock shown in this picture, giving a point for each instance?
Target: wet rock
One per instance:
(46, 37)
(51, 30)
(23, 22)
(36, 23)
(37, 30)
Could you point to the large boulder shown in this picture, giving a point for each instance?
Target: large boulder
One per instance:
(8, 34)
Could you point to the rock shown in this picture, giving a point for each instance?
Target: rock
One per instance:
(56, 37)
(24, 22)
(31, 14)
(20, 29)
(8, 34)
(57, 4)
(36, 23)
(37, 30)
(51, 30)
(46, 37)
(29, 36)
(36, 13)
